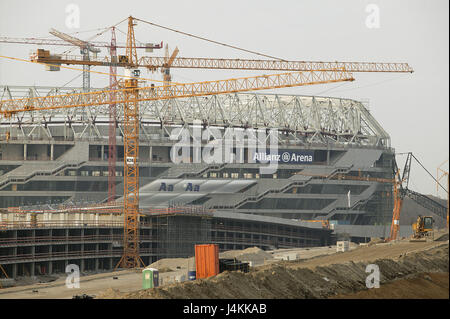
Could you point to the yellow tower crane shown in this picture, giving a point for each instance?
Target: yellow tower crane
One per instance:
(130, 94)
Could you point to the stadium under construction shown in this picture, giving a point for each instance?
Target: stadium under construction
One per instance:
(54, 163)
(128, 174)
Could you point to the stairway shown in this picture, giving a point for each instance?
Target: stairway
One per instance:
(73, 158)
(280, 186)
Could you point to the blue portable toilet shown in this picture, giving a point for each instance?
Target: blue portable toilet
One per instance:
(191, 275)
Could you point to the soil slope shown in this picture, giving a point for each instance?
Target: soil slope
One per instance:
(322, 277)
(420, 286)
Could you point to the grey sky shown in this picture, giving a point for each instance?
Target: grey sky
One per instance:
(413, 108)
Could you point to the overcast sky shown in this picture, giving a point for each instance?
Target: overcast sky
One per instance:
(412, 108)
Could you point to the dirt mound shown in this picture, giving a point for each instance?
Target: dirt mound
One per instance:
(443, 237)
(164, 269)
(290, 280)
(25, 281)
(171, 264)
(253, 254)
(375, 240)
(110, 293)
(419, 286)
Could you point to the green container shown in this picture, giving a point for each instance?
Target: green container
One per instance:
(150, 278)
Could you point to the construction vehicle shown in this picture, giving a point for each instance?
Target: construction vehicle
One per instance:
(423, 229)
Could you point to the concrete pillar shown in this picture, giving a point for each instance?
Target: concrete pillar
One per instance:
(328, 157)
(25, 151)
(33, 235)
(52, 148)
(50, 263)
(48, 268)
(151, 154)
(102, 152)
(33, 252)
(96, 264)
(82, 266)
(96, 253)
(66, 248)
(32, 269)
(14, 252)
(82, 263)
(14, 271)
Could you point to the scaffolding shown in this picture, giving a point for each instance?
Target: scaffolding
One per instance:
(178, 229)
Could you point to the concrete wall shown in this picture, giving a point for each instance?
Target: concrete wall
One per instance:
(38, 152)
(78, 153)
(371, 231)
(12, 152)
(162, 154)
(60, 150)
(144, 153)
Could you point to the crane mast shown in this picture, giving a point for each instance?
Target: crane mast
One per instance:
(130, 257)
(112, 148)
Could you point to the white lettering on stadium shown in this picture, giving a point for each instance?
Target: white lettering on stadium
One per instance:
(266, 157)
(301, 158)
(286, 157)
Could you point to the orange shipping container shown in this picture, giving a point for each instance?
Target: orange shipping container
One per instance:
(206, 260)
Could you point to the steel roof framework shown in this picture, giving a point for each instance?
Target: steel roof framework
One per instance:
(301, 119)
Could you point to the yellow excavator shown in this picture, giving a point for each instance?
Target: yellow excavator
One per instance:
(423, 229)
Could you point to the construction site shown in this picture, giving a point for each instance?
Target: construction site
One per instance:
(136, 187)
